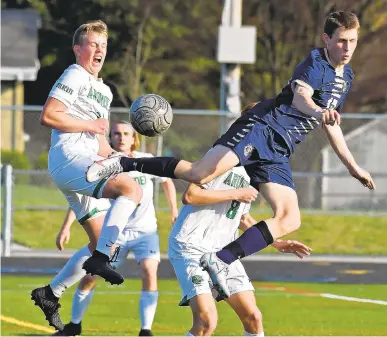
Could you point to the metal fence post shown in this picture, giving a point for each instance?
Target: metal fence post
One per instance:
(7, 230)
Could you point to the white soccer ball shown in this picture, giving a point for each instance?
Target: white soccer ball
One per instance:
(151, 115)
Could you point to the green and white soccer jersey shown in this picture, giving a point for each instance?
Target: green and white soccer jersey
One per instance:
(202, 229)
(208, 228)
(86, 98)
(144, 217)
(71, 153)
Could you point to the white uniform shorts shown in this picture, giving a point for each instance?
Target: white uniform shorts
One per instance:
(194, 280)
(81, 195)
(144, 245)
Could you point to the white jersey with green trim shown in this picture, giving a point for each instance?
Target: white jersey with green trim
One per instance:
(143, 218)
(86, 98)
(208, 228)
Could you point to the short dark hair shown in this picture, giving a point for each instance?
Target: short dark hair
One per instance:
(336, 20)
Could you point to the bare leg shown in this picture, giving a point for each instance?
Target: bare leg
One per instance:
(217, 161)
(205, 316)
(245, 307)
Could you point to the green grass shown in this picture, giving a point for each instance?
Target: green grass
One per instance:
(328, 234)
(289, 312)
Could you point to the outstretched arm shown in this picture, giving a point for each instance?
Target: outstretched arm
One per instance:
(170, 193)
(64, 233)
(195, 195)
(339, 145)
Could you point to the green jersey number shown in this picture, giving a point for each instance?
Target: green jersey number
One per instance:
(232, 211)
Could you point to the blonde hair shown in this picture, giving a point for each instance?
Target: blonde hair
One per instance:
(96, 26)
(136, 137)
(248, 107)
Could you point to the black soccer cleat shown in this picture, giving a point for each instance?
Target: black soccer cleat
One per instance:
(98, 264)
(70, 329)
(145, 332)
(49, 303)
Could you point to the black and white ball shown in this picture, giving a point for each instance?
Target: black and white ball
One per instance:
(151, 115)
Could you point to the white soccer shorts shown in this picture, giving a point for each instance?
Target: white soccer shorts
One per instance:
(195, 281)
(144, 245)
(69, 177)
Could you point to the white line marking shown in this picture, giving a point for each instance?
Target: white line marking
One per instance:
(353, 299)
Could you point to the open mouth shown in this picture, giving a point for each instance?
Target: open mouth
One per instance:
(97, 59)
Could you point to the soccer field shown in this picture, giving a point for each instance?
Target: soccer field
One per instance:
(288, 309)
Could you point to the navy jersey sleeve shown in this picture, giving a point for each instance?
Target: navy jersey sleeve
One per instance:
(309, 74)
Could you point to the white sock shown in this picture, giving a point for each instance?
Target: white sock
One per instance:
(189, 334)
(148, 304)
(81, 301)
(71, 273)
(262, 334)
(115, 221)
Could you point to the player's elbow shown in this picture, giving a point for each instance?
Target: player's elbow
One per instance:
(186, 199)
(45, 117)
(44, 120)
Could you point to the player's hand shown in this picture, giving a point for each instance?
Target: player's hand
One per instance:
(62, 238)
(330, 116)
(247, 195)
(174, 215)
(99, 126)
(292, 247)
(363, 176)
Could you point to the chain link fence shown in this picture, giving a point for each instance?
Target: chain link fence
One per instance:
(323, 183)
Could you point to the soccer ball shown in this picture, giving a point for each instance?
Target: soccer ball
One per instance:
(151, 115)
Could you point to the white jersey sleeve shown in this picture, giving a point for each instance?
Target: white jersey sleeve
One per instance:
(246, 209)
(68, 87)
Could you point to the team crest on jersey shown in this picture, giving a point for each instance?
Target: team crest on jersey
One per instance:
(248, 149)
(197, 279)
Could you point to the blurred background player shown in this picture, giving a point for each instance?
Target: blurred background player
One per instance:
(139, 236)
(77, 110)
(208, 221)
(264, 139)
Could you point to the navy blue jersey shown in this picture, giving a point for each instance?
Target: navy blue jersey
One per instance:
(329, 86)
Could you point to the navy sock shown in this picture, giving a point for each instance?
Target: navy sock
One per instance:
(158, 166)
(253, 240)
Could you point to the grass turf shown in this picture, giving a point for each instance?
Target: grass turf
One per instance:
(295, 311)
(326, 234)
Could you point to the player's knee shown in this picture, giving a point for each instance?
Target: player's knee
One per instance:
(208, 322)
(289, 220)
(126, 186)
(253, 322)
(87, 283)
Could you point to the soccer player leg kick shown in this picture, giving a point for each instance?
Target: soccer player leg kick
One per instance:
(77, 111)
(265, 138)
(140, 236)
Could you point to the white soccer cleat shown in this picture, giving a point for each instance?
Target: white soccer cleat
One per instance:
(104, 168)
(217, 270)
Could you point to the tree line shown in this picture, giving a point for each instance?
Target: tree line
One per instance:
(169, 47)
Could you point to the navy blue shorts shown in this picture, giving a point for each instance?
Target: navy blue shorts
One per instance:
(261, 150)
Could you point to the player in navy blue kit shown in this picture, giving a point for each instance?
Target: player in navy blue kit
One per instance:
(264, 139)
